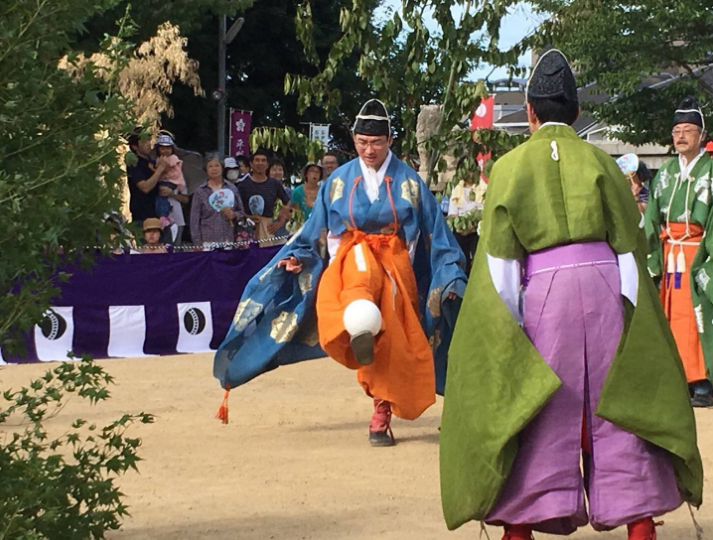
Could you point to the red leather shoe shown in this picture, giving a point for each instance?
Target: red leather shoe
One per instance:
(380, 433)
(518, 532)
(642, 529)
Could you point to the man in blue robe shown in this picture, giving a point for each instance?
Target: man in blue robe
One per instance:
(373, 278)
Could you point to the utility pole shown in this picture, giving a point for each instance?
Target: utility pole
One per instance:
(225, 38)
(221, 83)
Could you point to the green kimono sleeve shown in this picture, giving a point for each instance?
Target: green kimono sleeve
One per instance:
(702, 294)
(497, 381)
(645, 391)
(622, 218)
(497, 233)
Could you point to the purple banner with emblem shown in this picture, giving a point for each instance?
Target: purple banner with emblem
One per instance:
(240, 124)
(142, 305)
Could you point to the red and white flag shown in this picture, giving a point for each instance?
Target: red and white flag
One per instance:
(483, 119)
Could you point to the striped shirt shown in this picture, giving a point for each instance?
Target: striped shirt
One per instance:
(259, 197)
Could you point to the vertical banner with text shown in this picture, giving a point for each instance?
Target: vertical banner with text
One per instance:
(319, 132)
(240, 124)
(483, 119)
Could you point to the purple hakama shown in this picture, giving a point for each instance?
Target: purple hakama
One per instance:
(574, 315)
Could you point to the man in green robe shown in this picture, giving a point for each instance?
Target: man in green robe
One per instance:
(559, 322)
(677, 217)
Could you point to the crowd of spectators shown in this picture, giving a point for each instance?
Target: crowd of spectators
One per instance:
(242, 200)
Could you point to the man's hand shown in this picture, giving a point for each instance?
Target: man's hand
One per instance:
(452, 296)
(275, 226)
(290, 264)
(165, 191)
(285, 212)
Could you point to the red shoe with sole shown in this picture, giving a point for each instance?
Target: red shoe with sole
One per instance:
(642, 529)
(518, 532)
(380, 433)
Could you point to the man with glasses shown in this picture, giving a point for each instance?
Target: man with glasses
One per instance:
(677, 218)
(373, 278)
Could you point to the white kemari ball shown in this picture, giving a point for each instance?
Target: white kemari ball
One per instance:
(362, 316)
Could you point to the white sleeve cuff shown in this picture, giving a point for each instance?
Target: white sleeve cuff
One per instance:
(333, 243)
(629, 274)
(506, 275)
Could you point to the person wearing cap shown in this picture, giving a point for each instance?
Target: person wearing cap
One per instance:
(573, 362)
(677, 218)
(231, 170)
(152, 237)
(173, 191)
(372, 279)
(305, 195)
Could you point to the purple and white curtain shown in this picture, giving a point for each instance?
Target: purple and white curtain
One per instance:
(144, 305)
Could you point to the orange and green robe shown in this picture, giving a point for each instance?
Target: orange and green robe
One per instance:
(676, 220)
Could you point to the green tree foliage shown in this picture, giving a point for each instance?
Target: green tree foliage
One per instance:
(617, 45)
(265, 50)
(189, 15)
(59, 136)
(408, 65)
(63, 486)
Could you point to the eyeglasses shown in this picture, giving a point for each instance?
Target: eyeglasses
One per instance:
(684, 132)
(376, 145)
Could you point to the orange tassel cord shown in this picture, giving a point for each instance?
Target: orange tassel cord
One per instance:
(222, 414)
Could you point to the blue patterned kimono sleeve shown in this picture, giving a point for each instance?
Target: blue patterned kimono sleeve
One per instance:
(446, 261)
(275, 323)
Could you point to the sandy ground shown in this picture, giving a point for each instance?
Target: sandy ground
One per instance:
(293, 463)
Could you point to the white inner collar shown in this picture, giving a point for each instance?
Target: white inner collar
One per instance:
(686, 169)
(373, 178)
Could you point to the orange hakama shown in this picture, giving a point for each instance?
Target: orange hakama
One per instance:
(680, 249)
(377, 267)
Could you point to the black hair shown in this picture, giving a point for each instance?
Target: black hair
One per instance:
(260, 152)
(644, 173)
(555, 110)
(331, 153)
(244, 160)
(172, 147)
(134, 137)
(274, 163)
(212, 156)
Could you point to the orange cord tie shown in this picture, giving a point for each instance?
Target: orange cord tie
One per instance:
(388, 180)
(222, 413)
(351, 200)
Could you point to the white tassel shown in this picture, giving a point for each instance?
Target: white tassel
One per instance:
(671, 263)
(555, 151)
(681, 262)
(699, 529)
